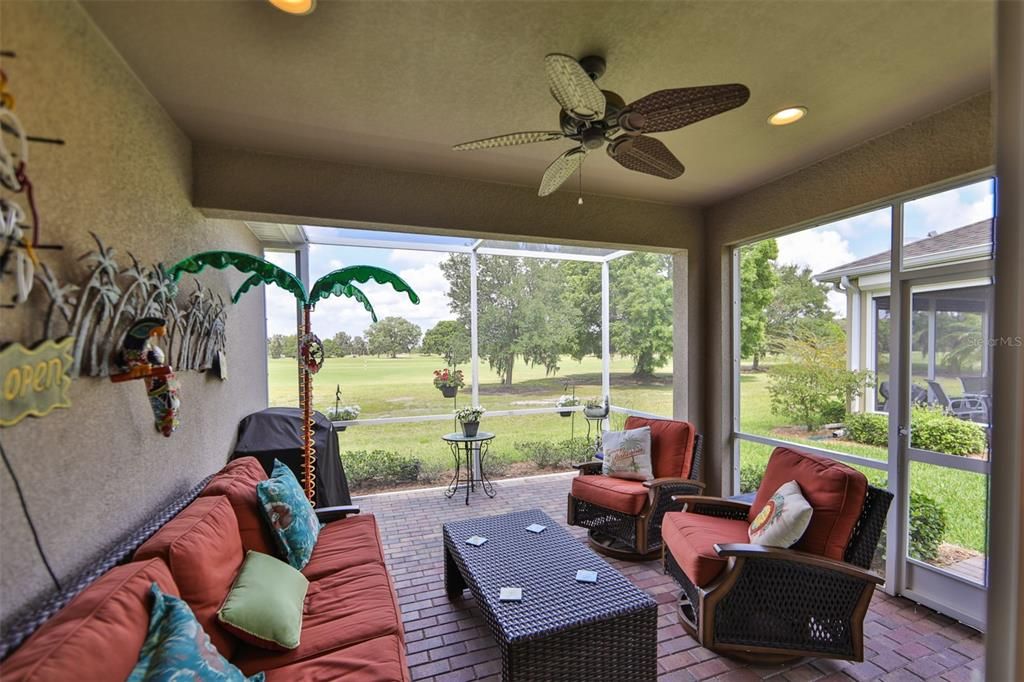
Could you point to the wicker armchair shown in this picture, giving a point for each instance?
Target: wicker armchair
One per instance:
(768, 604)
(624, 517)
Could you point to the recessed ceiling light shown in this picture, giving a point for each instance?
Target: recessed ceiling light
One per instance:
(294, 6)
(784, 117)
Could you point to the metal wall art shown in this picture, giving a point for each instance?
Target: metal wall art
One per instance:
(336, 283)
(111, 299)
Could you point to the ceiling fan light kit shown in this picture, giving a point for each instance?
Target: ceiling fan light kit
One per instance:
(783, 117)
(595, 118)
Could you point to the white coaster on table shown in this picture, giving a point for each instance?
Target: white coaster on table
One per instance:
(476, 540)
(511, 594)
(536, 528)
(586, 576)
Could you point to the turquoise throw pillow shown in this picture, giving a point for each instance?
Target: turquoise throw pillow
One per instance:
(177, 648)
(292, 519)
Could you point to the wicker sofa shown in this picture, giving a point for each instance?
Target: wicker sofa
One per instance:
(351, 622)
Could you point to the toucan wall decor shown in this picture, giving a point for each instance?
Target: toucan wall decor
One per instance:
(311, 351)
(141, 358)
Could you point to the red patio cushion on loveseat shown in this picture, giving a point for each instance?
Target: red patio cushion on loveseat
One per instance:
(352, 541)
(619, 494)
(377, 660)
(99, 634)
(201, 546)
(834, 490)
(237, 481)
(671, 445)
(691, 539)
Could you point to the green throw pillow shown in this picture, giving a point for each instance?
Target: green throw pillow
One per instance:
(264, 606)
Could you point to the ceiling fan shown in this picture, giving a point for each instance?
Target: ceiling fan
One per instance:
(593, 118)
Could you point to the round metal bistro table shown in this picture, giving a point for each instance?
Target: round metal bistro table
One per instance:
(469, 452)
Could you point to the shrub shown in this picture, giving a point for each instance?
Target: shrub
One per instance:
(750, 477)
(928, 522)
(547, 454)
(808, 387)
(868, 428)
(380, 467)
(932, 429)
(833, 412)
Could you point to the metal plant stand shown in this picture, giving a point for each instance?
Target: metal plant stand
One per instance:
(472, 449)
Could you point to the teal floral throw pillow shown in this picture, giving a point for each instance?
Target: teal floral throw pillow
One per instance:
(177, 648)
(292, 519)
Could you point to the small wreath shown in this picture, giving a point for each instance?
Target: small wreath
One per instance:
(311, 352)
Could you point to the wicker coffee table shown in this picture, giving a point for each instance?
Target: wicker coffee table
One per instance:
(562, 629)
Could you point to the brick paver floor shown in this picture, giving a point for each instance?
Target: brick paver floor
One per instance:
(448, 640)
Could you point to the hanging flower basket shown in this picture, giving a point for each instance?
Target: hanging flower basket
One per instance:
(448, 381)
(448, 391)
(567, 401)
(567, 413)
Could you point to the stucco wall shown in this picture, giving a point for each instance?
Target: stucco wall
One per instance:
(950, 143)
(93, 472)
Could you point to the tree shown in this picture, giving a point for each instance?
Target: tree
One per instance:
(814, 383)
(391, 336)
(799, 304)
(331, 349)
(359, 346)
(758, 281)
(641, 310)
(522, 310)
(344, 344)
(449, 339)
(276, 346)
(583, 294)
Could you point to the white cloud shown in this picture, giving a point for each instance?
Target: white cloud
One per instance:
(818, 249)
(946, 211)
(335, 264)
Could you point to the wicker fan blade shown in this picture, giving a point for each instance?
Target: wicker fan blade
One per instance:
(672, 109)
(560, 170)
(572, 87)
(509, 140)
(645, 155)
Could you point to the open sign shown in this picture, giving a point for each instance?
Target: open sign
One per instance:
(34, 382)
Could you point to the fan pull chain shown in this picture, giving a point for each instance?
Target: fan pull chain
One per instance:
(579, 202)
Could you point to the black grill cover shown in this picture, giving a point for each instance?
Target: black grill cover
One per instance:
(276, 433)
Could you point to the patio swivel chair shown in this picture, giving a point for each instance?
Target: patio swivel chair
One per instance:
(768, 604)
(624, 517)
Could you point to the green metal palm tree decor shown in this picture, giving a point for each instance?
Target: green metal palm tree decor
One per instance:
(336, 283)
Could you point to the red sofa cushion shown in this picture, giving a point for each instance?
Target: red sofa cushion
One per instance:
(691, 538)
(834, 490)
(618, 494)
(381, 659)
(351, 606)
(202, 548)
(99, 634)
(671, 445)
(347, 542)
(237, 481)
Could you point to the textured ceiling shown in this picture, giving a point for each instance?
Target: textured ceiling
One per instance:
(394, 84)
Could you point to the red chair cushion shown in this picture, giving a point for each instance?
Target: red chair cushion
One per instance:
(237, 481)
(202, 548)
(671, 445)
(617, 494)
(376, 660)
(347, 542)
(834, 490)
(349, 607)
(98, 636)
(692, 537)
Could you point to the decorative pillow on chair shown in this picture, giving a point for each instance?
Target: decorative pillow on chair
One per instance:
(292, 520)
(627, 454)
(264, 606)
(783, 519)
(177, 648)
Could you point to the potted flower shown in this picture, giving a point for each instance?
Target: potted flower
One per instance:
(343, 413)
(469, 417)
(448, 381)
(595, 408)
(567, 401)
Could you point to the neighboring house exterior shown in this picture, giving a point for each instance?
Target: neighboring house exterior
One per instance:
(866, 284)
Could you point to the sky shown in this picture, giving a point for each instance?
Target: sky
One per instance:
(819, 248)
